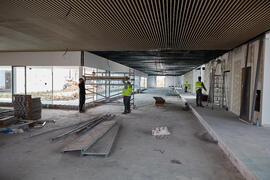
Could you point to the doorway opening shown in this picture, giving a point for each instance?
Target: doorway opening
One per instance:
(244, 111)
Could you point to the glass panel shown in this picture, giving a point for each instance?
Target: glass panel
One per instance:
(39, 83)
(137, 83)
(19, 80)
(101, 88)
(90, 85)
(117, 88)
(5, 84)
(143, 82)
(65, 85)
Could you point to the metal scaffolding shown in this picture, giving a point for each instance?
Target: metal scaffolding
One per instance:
(102, 84)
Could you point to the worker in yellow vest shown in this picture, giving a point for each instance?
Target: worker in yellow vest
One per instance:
(186, 86)
(127, 93)
(198, 87)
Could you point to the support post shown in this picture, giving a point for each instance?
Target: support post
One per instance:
(244, 87)
(266, 83)
(256, 79)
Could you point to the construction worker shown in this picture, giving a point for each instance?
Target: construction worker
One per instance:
(81, 94)
(186, 86)
(127, 93)
(198, 87)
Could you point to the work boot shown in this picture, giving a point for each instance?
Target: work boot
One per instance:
(124, 112)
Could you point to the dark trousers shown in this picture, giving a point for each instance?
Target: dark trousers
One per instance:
(199, 97)
(127, 103)
(82, 102)
(185, 89)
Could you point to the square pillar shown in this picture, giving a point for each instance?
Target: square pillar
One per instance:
(266, 83)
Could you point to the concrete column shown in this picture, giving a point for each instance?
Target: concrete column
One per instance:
(266, 83)
(151, 81)
(80, 71)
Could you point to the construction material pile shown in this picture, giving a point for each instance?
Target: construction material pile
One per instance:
(6, 117)
(159, 101)
(92, 137)
(26, 107)
(160, 131)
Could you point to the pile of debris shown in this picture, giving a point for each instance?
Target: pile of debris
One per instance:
(10, 124)
(160, 132)
(6, 117)
(93, 137)
(26, 115)
(26, 107)
(159, 101)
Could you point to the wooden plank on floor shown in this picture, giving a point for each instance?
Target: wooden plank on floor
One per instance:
(83, 142)
(104, 145)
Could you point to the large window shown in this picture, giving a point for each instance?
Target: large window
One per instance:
(101, 91)
(39, 83)
(160, 81)
(19, 81)
(65, 85)
(116, 85)
(59, 85)
(5, 84)
(143, 82)
(90, 85)
(137, 83)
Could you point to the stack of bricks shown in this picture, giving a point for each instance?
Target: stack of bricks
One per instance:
(26, 107)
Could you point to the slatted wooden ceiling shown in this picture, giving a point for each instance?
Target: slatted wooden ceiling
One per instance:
(130, 25)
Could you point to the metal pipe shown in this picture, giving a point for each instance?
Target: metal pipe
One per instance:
(76, 129)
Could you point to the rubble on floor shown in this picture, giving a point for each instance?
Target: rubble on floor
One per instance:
(14, 124)
(161, 131)
(159, 101)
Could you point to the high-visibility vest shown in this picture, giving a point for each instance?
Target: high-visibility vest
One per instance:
(198, 85)
(186, 84)
(127, 91)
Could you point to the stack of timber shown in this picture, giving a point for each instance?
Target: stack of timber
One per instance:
(26, 107)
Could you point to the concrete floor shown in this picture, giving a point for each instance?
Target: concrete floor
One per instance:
(252, 145)
(136, 155)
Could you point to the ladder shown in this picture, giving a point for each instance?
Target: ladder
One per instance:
(217, 87)
(132, 81)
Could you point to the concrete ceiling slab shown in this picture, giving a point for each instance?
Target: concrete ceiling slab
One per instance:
(131, 25)
(162, 62)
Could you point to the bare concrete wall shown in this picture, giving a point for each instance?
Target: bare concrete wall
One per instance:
(92, 60)
(266, 83)
(234, 62)
(56, 58)
(173, 81)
